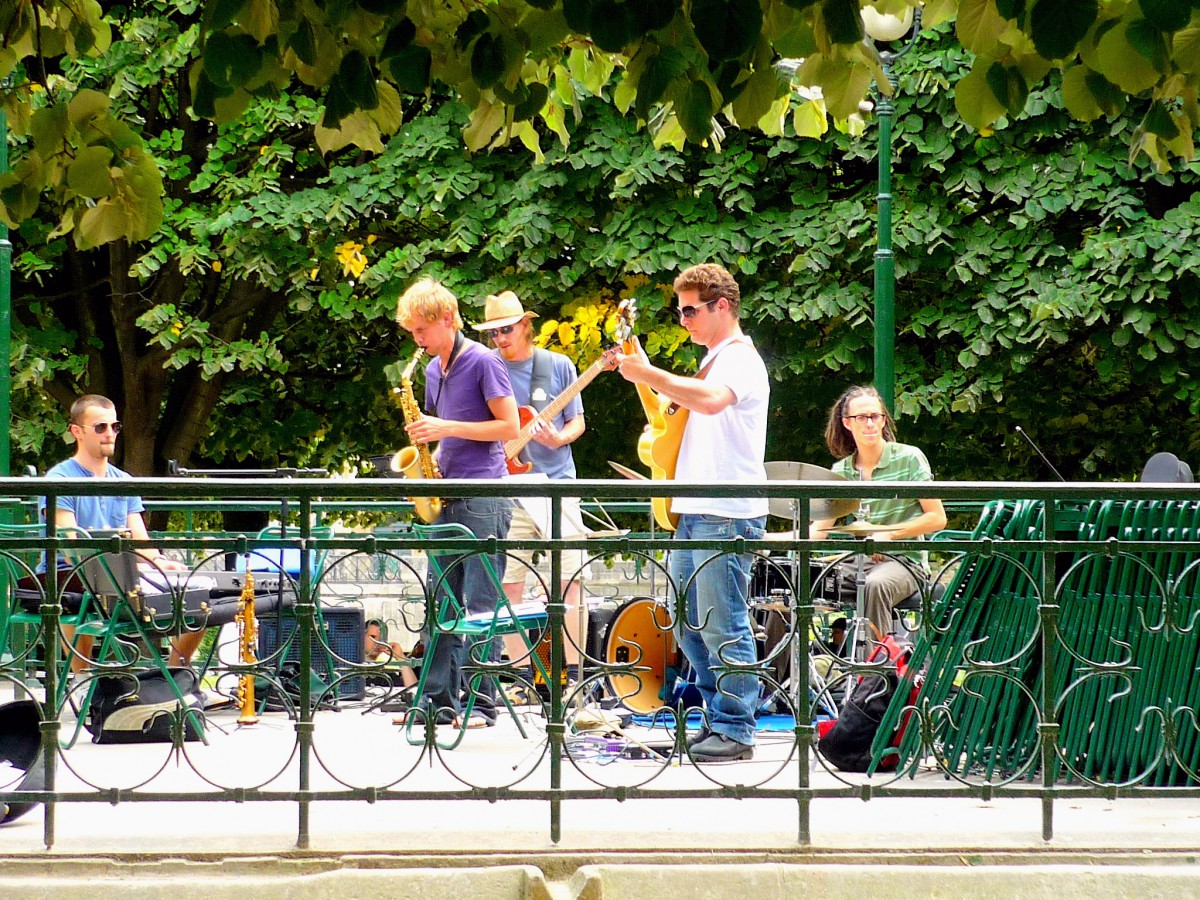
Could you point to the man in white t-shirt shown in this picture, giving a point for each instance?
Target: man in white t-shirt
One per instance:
(724, 440)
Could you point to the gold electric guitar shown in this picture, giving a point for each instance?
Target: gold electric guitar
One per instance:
(658, 447)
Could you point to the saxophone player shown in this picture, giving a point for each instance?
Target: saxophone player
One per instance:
(470, 412)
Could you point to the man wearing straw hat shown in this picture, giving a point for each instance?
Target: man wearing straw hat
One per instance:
(538, 376)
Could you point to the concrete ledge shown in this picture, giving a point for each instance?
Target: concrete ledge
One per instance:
(571, 876)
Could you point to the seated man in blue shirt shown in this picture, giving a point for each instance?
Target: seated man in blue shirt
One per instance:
(95, 428)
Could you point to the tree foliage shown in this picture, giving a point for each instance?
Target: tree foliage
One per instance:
(1042, 279)
(525, 67)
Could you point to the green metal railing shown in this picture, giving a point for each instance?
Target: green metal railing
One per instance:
(1069, 617)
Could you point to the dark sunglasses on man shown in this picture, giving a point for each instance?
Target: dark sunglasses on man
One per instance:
(102, 427)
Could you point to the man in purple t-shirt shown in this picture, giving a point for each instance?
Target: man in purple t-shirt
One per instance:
(470, 411)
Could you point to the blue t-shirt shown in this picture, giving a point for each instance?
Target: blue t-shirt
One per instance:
(476, 376)
(555, 463)
(94, 513)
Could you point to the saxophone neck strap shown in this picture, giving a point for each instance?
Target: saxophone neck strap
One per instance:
(459, 341)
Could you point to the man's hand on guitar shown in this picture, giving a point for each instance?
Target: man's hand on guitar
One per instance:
(634, 366)
(547, 435)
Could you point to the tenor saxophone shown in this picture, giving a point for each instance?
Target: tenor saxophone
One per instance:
(415, 460)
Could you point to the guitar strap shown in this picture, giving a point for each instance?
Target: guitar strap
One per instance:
(708, 365)
(539, 385)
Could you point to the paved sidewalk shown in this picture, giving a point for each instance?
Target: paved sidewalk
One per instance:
(606, 845)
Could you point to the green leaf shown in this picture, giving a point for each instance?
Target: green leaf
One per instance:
(103, 223)
(231, 61)
(410, 69)
(1117, 61)
(758, 95)
(613, 24)
(1010, 9)
(358, 80)
(88, 174)
(979, 27)
(974, 99)
(303, 42)
(1080, 102)
(531, 105)
(695, 111)
(1057, 26)
(338, 103)
(1166, 15)
(1149, 42)
(87, 105)
(48, 128)
(489, 61)
(223, 12)
(655, 14)
(578, 14)
(726, 29)
(473, 25)
(843, 22)
(398, 39)
(659, 73)
(1158, 121)
(1009, 87)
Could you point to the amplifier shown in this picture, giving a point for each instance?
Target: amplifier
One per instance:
(345, 633)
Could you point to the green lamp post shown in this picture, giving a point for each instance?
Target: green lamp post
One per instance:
(887, 29)
(5, 313)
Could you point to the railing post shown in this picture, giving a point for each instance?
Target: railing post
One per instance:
(1048, 729)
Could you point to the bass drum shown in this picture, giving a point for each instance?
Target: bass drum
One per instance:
(640, 633)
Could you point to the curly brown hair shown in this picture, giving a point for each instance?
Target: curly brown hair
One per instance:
(712, 282)
(838, 438)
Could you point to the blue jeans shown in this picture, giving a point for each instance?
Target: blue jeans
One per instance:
(716, 631)
(471, 583)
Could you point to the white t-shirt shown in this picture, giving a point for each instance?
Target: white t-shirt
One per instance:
(731, 445)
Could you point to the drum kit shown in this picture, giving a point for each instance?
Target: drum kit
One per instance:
(640, 630)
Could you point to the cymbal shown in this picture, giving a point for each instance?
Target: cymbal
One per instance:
(819, 508)
(628, 472)
(860, 528)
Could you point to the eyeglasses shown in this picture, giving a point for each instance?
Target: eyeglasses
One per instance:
(867, 418)
(102, 427)
(689, 312)
(496, 332)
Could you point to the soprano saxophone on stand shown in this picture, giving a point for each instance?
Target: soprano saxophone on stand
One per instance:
(247, 625)
(416, 460)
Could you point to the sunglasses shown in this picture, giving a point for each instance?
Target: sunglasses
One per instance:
(496, 332)
(689, 312)
(102, 427)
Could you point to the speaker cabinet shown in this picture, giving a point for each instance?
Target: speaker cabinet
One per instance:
(345, 633)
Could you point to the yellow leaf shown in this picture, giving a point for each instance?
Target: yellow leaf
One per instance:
(216, 266)
(566, 334)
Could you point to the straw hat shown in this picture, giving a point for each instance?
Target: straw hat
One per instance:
(503, 309)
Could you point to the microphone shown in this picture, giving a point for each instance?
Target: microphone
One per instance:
(1021, 432)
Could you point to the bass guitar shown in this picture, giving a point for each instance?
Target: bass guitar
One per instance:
(531, 420)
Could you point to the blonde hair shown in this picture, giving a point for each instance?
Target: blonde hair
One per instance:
(427, 301)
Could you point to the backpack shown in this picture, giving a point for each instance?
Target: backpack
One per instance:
(847, 745)
(141, 707)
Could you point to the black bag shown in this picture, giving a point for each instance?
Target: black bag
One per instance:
(141, 707)
(847, 745)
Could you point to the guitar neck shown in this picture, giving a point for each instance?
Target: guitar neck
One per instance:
(557, 405)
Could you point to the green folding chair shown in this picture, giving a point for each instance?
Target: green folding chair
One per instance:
(479, 630)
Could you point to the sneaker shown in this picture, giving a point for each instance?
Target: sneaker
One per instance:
(720, 748)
